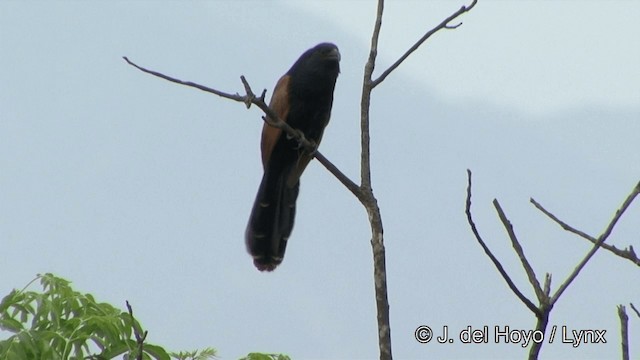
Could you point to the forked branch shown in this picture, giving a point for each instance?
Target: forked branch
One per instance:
(546, 301)
(599, 241)
(443, 25)
(368, 200)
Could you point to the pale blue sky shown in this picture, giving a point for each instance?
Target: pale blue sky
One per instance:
(138, 189)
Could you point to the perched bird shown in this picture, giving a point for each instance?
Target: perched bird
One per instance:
(302, 98)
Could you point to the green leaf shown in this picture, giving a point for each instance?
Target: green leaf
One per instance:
(7, 301)
(261, 356)
(12, 325)
(156, 351)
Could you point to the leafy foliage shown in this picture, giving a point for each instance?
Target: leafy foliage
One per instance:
(204, 354)
(260, 356)
(61, 323)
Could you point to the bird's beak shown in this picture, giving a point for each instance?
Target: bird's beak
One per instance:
(334, 55)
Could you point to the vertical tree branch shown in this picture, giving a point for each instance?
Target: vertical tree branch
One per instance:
(365, 103)
(369, 201)
(380, 279)
(624, 332)
(541, 325)
(367, 198)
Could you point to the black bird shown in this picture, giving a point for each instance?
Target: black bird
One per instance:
(303, 98)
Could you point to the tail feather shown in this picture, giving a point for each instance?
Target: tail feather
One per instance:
(271, 220)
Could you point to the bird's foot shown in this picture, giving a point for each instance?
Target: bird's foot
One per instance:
(300, 138)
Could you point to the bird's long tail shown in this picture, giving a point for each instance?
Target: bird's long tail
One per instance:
(271, 219)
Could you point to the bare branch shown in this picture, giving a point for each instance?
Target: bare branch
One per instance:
(542, 297)
(350, 185)
(443, 25)
(235, 97)
(624, 332)
(495, 261)
(627, 202)
(369, 201)
(601, 239)
(635, 310)
(564, 225)
(627, 253)
(541, 325)
(271, 118)
(365, 102)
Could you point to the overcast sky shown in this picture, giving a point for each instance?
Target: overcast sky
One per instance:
(138, 189)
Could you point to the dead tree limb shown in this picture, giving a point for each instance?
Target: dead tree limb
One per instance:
(600, 240)
(528, 303)
(624, 332)
(626, 253)
(545, 299)
(369, 200)
(520, 252)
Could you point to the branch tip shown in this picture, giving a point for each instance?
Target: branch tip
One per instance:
(635, 310)
(443, 25)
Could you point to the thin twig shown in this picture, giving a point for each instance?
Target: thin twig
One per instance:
(355, 189)
(562, 224)
(235, 97)
(518, 249)
(635, 310)
(443, 25)
(271, 118)
(627, 253)
(601, 239)
(495, 261)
